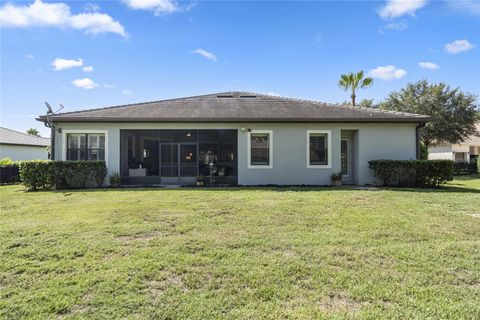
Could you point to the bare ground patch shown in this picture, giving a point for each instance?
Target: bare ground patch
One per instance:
(340, 302)
(158, 287)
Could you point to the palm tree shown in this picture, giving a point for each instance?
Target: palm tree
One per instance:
(33, 132)
(354, 81)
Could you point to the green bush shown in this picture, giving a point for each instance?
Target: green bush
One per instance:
(423, 152)
(44, 174)
(37, 174)
(413, 173)
(115, 179)
(6, 162)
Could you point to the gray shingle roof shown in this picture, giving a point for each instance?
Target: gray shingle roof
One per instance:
(9, 136)
(236, 107)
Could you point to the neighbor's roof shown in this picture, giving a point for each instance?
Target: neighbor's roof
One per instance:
(236, 107)
(9, 136)
(474, 139)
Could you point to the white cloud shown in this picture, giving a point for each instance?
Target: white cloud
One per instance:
(157, 6)
(398, 26)
(108, 86)
(471, 7)
(85, 83)
(62, 64)
(206, 54)
(58, 15)
(389, 72)
(127, 92)
(429, 65)
(87, 69)
(398, 8)
(458, 46)
(29, 56)
(91, 7)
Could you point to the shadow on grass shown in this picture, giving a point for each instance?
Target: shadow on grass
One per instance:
(455, 187)
(450, 188)
(441, 189)
(469, 177)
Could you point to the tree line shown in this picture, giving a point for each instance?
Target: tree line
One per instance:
(454, 113)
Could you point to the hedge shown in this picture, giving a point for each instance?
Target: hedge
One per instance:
(413, 173)
(44, 174)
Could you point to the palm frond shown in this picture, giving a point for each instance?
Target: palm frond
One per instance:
(344, 82)
(367, 82)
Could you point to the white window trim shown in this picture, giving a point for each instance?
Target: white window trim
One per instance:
(64, 140)
(270, 150)
(329, 150)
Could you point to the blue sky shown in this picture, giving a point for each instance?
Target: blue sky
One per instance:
(86, 54)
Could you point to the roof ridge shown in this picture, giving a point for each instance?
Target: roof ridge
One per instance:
(25, 134)
(145, 102)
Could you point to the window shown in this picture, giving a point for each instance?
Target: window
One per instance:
(85, 146)
(318, 149)
(260, 149)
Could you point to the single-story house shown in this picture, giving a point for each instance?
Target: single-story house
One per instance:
(468, 150)
(237, 138)
(21, 146)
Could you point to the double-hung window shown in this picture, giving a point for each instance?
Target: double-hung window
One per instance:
(260, 149)
(319, 148)
(85, 146)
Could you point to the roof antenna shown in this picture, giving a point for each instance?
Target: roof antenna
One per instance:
(50, 124)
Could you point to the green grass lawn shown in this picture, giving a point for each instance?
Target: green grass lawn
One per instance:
(241, 253)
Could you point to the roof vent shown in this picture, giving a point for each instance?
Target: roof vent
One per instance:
(248, 96)
(224, 96)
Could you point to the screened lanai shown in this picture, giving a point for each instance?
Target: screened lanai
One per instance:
(178, 156)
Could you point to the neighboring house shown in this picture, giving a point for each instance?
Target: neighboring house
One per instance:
(21, 146)
(465, 151)
(237, 138)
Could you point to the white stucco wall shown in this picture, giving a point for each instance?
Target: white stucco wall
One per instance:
(447, 152)
(19, 152)
(440, 153)
(373, 141)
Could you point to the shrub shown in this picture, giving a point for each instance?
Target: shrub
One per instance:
(413, 173)
(6, 162)
(423, 152)
(115, 179)
(43, 174)
(37, 174)
(336, 176)
(79, 174)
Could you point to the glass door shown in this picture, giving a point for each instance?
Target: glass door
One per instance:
(178, 163)
(345, 158)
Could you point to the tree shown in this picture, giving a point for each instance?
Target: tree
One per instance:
(423, 152)
(367, 103)
(453, 112)
(354, 81)
(33, 132)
